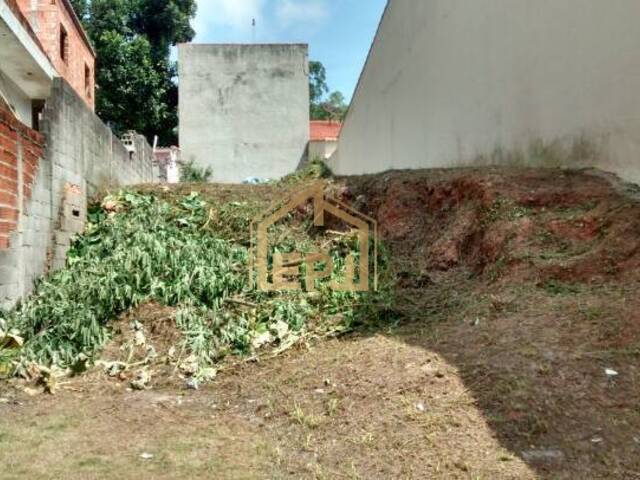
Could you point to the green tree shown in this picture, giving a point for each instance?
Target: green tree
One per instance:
(322, 107)
(81, 7)
(164, 23)
(317, 82)
(335, 107)
(135, 78)
(131, 91)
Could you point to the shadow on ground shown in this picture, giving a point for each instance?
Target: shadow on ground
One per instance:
(526, 283)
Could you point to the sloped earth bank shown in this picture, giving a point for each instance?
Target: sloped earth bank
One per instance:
(515, 354)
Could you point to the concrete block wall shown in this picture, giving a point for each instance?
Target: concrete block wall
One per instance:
(45, 180)
(244, 109)
(21, 151)
(83, 149)
(70, 223)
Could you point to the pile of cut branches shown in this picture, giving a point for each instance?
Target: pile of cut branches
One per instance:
(140, 248)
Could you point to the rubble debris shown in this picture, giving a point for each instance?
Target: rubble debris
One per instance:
(543, 455)
(189, 366)
(261, 339)
(208, 374)
(192, 383)
(142, 380)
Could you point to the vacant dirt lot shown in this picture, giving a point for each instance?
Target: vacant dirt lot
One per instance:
(513, 352)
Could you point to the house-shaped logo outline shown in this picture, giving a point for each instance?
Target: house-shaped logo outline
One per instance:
(322, 204)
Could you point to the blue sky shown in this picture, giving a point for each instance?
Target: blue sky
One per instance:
(339, 32)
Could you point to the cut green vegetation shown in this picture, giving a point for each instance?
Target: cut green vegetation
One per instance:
(140, 248)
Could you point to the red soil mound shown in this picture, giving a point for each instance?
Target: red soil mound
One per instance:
(571, 226)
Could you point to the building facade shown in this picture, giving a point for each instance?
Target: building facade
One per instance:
(323, 140)
(244, 109)
(458, 82)
(65, 42)
(26, 74)
(167, 161)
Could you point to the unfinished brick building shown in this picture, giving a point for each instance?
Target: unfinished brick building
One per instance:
(54, 150)
(65, 42)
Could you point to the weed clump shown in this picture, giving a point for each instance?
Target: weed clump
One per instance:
(191, 173)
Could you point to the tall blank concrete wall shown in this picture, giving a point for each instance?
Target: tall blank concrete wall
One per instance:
(43, 192)
(450, 80)
(244, 109)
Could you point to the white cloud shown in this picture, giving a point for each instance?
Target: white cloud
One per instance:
(292, 12)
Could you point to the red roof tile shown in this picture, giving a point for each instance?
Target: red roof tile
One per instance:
(325, 130)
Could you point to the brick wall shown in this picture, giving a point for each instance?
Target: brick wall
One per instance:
(47, 18)
(21, 149)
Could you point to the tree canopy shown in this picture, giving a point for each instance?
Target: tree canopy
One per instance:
(135, 77)
(322, 106)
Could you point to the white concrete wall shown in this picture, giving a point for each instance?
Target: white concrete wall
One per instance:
(244, 109)
(322, 149)
(19, 102)
(449, 80)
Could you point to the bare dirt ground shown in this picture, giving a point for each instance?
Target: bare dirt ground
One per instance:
(514, 354)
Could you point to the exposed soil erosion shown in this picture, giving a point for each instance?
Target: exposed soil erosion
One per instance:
(572, 226)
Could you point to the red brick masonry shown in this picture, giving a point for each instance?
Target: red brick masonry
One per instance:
(51, 17)
(20, 151)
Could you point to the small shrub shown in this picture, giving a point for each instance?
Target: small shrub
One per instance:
(190, 173)
(316, 168)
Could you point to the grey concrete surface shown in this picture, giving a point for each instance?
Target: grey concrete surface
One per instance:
(244, 109)
(458, 82)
